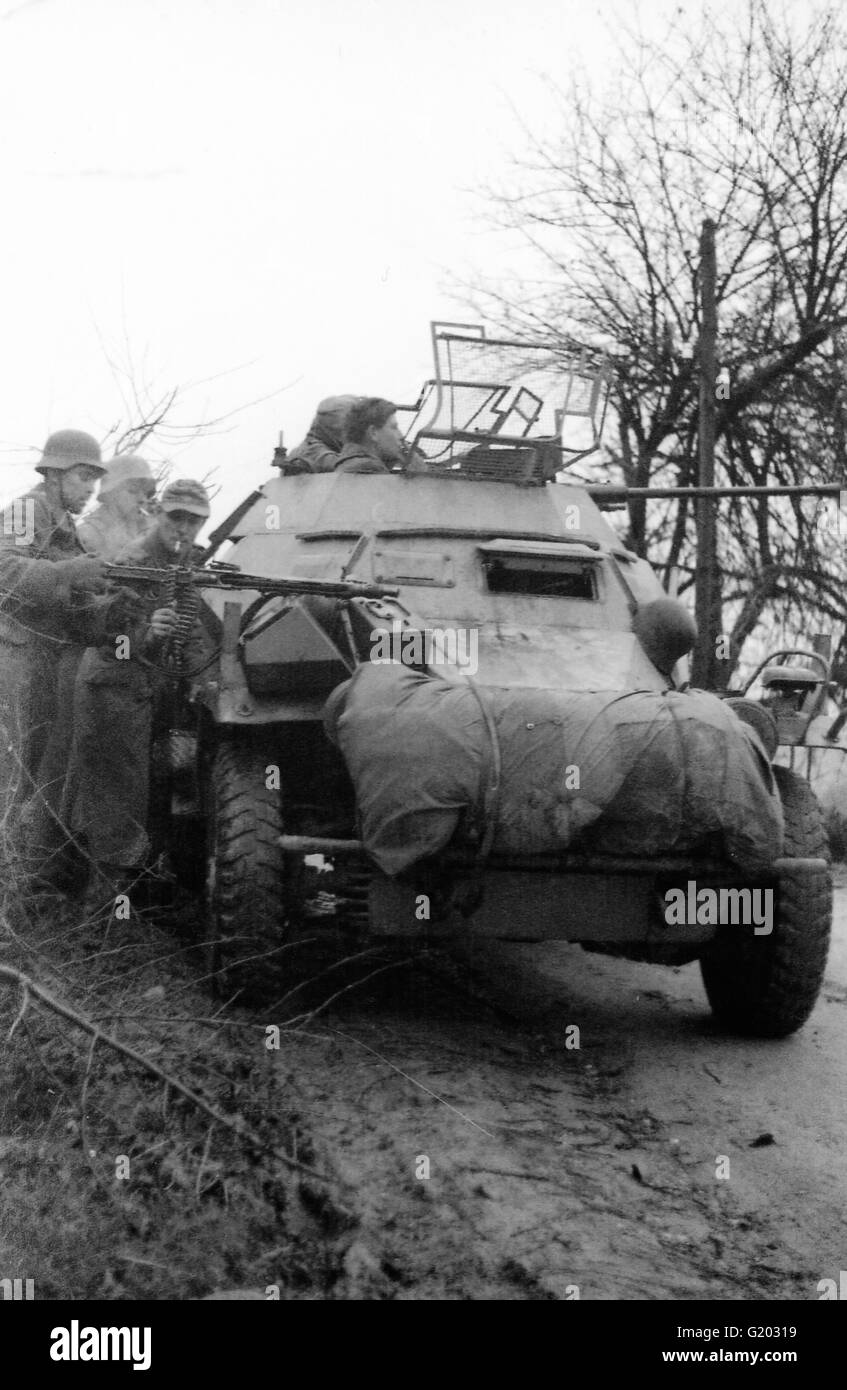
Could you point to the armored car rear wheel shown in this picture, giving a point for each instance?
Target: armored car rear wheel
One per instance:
(249, 908)
(766, 986)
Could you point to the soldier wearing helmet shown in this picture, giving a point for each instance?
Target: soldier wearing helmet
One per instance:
(123, 698)
(46, 584)
(123, 512)
(319, 451)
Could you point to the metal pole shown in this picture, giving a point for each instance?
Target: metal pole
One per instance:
(706, 670)
(608, 492)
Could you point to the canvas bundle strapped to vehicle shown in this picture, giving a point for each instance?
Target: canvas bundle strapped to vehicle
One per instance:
(645, 772)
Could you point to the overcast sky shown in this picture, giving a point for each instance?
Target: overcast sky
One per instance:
(258, 196)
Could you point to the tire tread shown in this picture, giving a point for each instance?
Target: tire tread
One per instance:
(248, 917)
(767, 988)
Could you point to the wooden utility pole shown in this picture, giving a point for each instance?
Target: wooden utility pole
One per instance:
(707, 671)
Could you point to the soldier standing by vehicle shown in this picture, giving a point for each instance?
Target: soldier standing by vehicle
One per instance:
(373, 442)
(125, 693)
(122, 515)
(319, 451)
(46, 580)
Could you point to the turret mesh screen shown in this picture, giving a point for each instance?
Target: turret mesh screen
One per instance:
(497, 389)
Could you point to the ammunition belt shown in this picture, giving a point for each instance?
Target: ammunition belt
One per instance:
(186, 600)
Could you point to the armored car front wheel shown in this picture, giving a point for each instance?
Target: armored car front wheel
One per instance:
(766, 985)
(248, 894)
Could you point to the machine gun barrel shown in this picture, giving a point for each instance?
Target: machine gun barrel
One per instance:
(184, 575)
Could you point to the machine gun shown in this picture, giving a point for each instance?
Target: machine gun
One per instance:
(178, 585)
(221, 576)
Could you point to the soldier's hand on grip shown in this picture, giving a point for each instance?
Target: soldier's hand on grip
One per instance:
(164, 621)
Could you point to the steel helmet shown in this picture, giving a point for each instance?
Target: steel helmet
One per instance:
(66, 448)
(666, 631)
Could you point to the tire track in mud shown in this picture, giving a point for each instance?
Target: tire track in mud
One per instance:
(545, 1180)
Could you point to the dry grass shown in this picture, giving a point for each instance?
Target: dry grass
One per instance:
(200, 1209)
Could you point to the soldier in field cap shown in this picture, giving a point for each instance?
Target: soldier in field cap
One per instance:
(373, 440)
(123, 699)
(185, 495)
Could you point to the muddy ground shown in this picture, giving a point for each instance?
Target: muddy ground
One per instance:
(458, 1147)
(552, 1167)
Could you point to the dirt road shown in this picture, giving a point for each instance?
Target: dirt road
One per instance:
(486, 1158)
(473, 1151)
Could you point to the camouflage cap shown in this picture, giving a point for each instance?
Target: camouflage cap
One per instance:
(66, 448)
(123, 469)
(330, 418)
(185, 495)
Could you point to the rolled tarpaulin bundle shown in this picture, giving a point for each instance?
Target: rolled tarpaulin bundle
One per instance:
(642, 773)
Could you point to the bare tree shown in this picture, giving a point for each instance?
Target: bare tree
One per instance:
(163, 419)
(744, 121)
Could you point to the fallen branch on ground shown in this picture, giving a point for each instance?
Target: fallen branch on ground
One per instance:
(32, 991)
